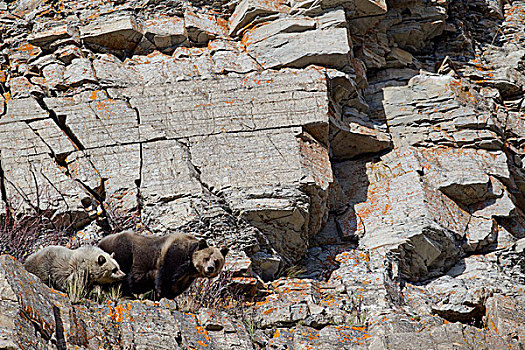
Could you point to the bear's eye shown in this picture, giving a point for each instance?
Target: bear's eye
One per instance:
(206, 259)
(216, 263)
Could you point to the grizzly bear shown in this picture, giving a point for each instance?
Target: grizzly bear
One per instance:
(57, 266)
(165, 264)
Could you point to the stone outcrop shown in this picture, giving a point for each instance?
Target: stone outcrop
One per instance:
(374, 149)
(36, 317)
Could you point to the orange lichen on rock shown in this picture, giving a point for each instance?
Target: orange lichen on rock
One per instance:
(119, 312)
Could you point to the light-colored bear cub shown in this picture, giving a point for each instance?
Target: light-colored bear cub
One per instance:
(57, 266)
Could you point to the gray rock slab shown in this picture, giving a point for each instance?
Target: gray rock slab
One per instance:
(444, 336)
(237, 61)
(275, 151)
(52, 136)
(329, 45)
(79, 72)
(33, 179)
(202, 27)
(399, 208)
(25, 302)
(21, 87)
(157, 68)
(351, 139)
(97, 120)
(167, 172)
(258, 101)
(145, 325)
(46, 37)
(464, 292)
(67, 53)
(423, 23)
(110, 71)
(165, 32)
(248, 10)
(504, 318)
(111, 171)
(437, 110)
(466, 178)
(355, 9)
(54, 75)
(268, 192)
(23, 109)
(281, 25)
(121, 33)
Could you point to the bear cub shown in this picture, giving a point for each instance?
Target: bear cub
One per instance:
(168, 265)
(57, 266)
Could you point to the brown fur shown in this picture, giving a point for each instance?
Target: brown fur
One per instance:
(166, 264)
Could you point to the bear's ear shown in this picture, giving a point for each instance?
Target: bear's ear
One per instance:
(224, 250)
(101, 260)
(112, 255)
(202, 244)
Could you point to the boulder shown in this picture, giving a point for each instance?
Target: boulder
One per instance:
(46, 37)
(445, 112)
(424, 225)
(298, 42)
(248, 10)
(203, 27)
(354, 9)
(503, 318)
(79, 72)
(165, 32)
(21, 87)
(122, 33)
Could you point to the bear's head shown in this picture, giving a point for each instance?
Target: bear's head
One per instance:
(209, 260)
(105, 269)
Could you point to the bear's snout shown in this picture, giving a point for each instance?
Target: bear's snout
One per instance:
(210, 269)
(118, 275)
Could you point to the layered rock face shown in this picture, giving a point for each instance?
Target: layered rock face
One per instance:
(380, 145)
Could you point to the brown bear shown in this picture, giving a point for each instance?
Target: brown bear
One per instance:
(165, 264)
(57, 266)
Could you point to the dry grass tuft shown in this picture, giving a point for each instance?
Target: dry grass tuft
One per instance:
(23, 232)
(219, 294)
(77, 287)
(102, 294)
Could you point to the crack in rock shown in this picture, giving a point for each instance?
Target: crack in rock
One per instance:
(59, 331)
(3, 108)
(60, 121)
(98, 194)
(3, 192)
(138, 182)
(196, 173)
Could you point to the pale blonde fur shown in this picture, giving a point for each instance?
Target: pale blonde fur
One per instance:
(57, 266)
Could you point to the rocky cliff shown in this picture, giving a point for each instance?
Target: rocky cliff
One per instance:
(377, 147)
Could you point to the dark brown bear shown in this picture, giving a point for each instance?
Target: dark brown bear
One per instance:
(166, 264)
